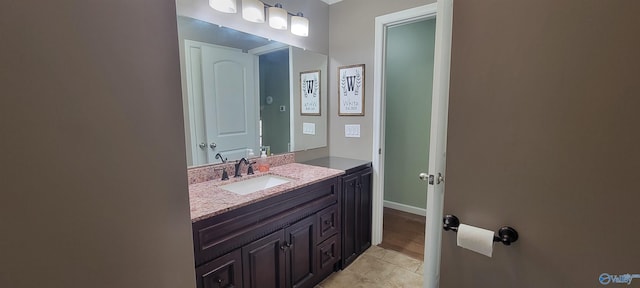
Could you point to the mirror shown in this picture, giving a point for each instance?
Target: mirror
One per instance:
(242, 93)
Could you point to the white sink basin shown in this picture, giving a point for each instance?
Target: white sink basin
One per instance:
(255, 184)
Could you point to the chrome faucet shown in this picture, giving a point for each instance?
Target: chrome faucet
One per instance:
(238, 163)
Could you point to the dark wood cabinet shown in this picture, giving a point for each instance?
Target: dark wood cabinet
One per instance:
(264, 262)
(223, 272)
(284, 259)
(356, 213)
(300, 252)
(274, 243)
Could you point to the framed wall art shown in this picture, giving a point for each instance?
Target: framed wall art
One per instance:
(351, 90)
(310, 93)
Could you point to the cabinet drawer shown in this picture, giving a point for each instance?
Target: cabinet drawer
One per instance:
(328, 222)
(328, 255)
(224, 271)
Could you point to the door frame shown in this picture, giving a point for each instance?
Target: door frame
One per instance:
(443, 12)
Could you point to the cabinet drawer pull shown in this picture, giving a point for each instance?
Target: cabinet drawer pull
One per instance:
(328, 253)
(328, 222)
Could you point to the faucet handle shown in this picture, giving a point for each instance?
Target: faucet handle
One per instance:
(225, 175)
(250, 169)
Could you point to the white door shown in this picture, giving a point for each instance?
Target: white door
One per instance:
(438, 145)
(222, 97)
(443, 12)
(229, 102)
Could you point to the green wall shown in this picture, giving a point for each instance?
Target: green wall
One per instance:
(409, 79)
(274, 82)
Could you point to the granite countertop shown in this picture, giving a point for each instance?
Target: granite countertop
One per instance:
(207, 199)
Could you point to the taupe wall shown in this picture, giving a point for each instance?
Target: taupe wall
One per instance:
(94, 190)
(315, 10)
(351, 32)
(543, 136)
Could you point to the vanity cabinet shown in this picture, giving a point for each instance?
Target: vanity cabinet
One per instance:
(356, 212)
(286, 241)
(264, 262)
(223, 272)
(282, 259)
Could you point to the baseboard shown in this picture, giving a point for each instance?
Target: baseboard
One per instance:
(405, 208)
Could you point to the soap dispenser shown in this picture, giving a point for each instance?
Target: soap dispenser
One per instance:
(263, 163)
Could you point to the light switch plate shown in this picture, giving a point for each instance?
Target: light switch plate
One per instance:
(352, 130)
(308, 128)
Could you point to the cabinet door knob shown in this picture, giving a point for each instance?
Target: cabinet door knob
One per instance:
(328, 222)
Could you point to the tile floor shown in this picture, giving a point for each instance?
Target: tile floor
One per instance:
(378, 268)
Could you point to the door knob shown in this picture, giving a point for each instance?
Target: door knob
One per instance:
(426, 177)
(213, 145)
(202, 145)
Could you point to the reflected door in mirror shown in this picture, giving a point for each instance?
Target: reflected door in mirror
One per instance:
(223, 109)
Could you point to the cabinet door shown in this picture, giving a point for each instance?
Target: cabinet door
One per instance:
(364, 191)
(301, 246)
(263, 262)
(222, 272)
(350, 243)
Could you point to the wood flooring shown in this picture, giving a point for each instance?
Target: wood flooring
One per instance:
(403, 232)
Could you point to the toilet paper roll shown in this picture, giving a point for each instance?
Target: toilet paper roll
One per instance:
(476, 239)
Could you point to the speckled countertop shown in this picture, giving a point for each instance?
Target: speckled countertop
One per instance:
(207, 199)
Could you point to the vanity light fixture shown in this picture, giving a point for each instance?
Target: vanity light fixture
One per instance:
(224, 6)
(299, 25)
(253, 11)
(278, 17)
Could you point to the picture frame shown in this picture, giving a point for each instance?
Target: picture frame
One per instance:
(310, 93)
(351, 90)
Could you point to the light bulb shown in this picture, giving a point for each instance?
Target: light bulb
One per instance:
(225, 6)
(278, 17)
(300, 25)
(253, 11)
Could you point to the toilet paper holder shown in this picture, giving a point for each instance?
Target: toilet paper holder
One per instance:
(506, 234)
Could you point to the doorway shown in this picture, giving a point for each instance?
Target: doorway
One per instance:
(436, 129)
(408, 76)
